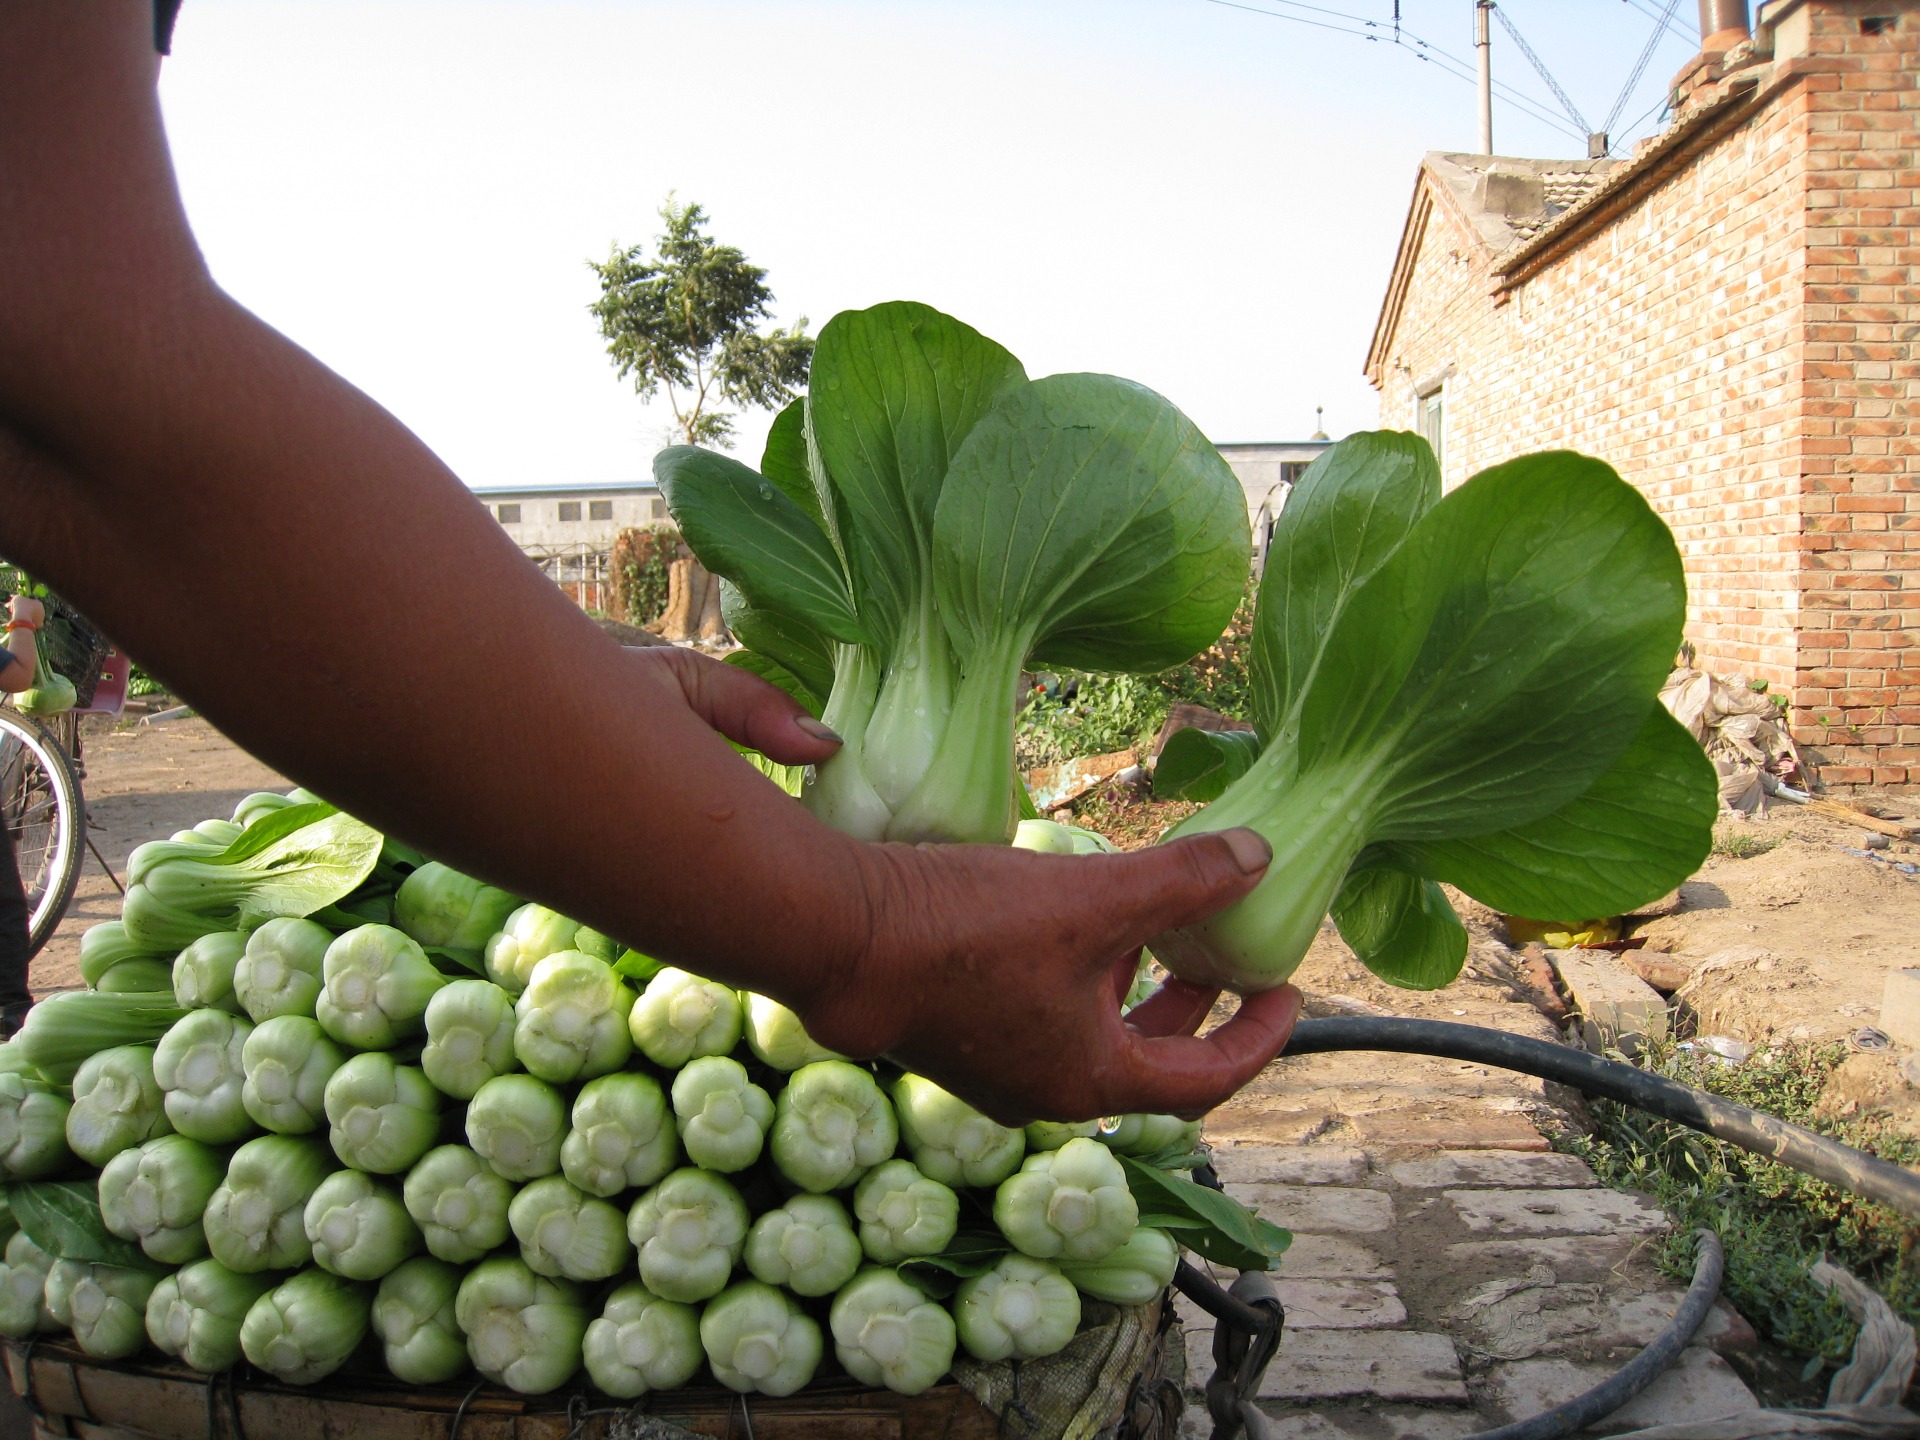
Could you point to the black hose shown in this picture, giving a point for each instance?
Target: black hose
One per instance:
(1816, 1155)
(1638, 1373)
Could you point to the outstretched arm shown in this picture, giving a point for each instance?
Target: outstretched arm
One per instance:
(295, 563)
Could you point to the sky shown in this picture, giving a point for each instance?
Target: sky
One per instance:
(1198, 195)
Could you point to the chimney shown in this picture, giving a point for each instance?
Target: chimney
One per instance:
(1723, 25)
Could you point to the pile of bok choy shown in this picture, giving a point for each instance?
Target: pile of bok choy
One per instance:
(387, 1108)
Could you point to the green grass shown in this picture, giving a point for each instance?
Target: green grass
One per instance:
(1740, 843)
(1774, 1222)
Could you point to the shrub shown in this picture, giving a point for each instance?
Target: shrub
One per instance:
(641, 558)
(1773, 1221)
(1075, 714)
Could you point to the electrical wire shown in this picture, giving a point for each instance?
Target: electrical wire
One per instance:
(1300, 19)
(1640, 67)
(1446, 62)
(1662, 104)
(1449, 64)
(1673, 27)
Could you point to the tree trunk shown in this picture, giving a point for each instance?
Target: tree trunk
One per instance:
(711, 626)
(693, 602)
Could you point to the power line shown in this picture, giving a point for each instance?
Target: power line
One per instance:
(1450, 65)
(1442, 60)
(1302, 20)
(1678, 31)
(1658, 106)
(1539, 65)
(1640, 67)
(1519, 99)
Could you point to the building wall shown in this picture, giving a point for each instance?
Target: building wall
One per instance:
(1267, 471)
(1738, 345)
(1858, 689)
(539, 527)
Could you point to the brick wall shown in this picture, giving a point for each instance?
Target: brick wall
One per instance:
(1729, 323)
(1857, 693)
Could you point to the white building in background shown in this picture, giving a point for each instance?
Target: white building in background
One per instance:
(547, 520)
(1267, 470)
(569, 530)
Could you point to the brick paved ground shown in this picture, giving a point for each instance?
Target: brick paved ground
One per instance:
(1432, 1293)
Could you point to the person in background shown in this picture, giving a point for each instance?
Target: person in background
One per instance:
(19, 663)
(300, 568)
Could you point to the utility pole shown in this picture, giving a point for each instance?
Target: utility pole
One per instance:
(1483, 50)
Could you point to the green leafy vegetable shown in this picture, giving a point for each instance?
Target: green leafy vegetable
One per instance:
(887, 1332)
(1452, 688)
(642, 1343)
(1203, 1219)
(759, 1341)
(523, 1330)
(292, 862)
(413, 1314)
(62, 1217)
(929, 521)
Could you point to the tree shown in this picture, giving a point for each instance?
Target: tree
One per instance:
(688, 322)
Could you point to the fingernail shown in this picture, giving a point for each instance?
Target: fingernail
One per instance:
(818, 730)
(1250, 848)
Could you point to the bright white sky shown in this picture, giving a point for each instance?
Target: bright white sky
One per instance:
(1188, 193)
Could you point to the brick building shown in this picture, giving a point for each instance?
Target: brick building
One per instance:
(1729, 318)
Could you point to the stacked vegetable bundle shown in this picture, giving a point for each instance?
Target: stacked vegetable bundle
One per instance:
(384, 1103)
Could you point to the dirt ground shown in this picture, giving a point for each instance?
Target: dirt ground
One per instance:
(143, 783)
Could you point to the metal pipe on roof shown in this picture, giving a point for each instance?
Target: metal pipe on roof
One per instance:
(1483, 48)
(1723, 24)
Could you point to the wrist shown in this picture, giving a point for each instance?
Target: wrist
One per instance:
(852, 1003)
(13, 625)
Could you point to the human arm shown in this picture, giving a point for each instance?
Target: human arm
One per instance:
(170, 456)
(21, 663)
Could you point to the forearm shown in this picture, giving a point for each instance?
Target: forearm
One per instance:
(26, 655)
(175, 458)
(349, 587)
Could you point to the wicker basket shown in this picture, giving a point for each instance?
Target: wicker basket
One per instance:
(74, 1395)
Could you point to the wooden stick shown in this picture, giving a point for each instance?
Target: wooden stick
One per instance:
(1835, 810)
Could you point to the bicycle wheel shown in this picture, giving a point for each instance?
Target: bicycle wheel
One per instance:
(45, 821)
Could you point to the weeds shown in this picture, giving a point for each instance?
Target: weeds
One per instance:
(1742, 844)
(1774, 1222)
(1105, 713)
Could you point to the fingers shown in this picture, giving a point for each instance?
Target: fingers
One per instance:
(1188, 1075)
(1160, 888)
(746, 709)
(1176, 1008)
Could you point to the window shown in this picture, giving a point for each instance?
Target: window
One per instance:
(600, 509)
(509, 514)
(1430, 420)
(569, 509)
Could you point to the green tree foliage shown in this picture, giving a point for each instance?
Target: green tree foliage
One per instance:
(687, 321)
(641, 560)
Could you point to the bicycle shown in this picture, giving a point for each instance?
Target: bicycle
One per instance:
(46, 821)
(41, 800)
